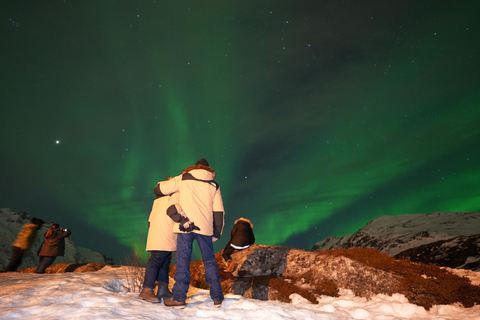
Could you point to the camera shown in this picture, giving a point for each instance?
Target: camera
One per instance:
(64, 229)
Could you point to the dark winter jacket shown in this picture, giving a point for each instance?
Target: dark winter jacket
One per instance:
(242, 233)
(54, 245)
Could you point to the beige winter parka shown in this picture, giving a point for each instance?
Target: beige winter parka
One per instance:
(199, 197)
(160, 236)
(26, 236)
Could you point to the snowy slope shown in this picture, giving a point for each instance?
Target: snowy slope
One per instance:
(102, 295)
(396, 234)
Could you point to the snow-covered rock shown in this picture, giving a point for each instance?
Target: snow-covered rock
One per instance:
(397, 234)
(10, 225)
(461, 252)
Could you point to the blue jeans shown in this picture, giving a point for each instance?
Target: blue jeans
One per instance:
(157, 268)
(184, 255)
(44, 263)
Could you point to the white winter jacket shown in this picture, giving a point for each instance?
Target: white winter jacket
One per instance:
(160, 236)
(199, 197)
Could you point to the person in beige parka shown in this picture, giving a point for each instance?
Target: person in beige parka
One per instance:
(23, 241)
(161, 242)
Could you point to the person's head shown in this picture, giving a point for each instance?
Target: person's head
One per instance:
(245, 220)
(202, 162)
(36, 221)
(55, 226)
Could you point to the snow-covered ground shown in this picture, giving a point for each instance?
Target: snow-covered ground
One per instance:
(100, 295)
(394, 234)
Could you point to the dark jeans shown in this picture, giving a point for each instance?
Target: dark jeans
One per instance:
(44, 263)
(16, 260)
(157, 268)
(183, 257)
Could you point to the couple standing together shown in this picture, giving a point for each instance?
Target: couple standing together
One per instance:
(192, 200)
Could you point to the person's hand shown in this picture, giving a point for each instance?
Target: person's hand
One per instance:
(214, 239)
(188, 227)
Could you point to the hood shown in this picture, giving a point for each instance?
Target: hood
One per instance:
(201, 172)
(246, 221)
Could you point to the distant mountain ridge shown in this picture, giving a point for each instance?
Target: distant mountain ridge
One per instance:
(450, 239)
(10, 225)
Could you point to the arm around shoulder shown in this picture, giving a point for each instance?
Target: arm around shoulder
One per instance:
(167, 187)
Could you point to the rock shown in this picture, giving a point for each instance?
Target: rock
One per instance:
(275, 273)
(442, 238)
(460, 252)
(68, 267)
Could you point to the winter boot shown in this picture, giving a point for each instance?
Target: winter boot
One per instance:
(169, 302)
(163, 291)
(147, 295)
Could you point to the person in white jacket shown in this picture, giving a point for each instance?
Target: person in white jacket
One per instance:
(161, 241)
(202, 220)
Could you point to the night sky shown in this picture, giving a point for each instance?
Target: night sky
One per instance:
(318, 116)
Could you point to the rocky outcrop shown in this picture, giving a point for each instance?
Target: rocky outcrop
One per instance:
(68, 267)
(276, 273)
(304, 272)
(459, 252)
(443, 238)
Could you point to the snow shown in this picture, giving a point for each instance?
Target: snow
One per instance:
(103, 295)
(394, 234)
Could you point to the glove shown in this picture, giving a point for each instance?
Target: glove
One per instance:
(190, 227)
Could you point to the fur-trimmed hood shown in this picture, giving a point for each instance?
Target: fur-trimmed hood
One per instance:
(244, 220)
(200, 166)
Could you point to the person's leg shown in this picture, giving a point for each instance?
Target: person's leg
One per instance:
(211, 267)
(227, 252)
(182, 273)
(164, 267)
(151, 271)
(16, 260)
(44, 263)
(163, 277)
(152, 268)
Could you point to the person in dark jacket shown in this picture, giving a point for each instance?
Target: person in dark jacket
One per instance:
(241, 237)
(23, 241)
(52, 247)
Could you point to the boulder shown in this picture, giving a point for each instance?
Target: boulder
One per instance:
(276, 273)
(68, 267)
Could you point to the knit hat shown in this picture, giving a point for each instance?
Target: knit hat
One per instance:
(203, 162)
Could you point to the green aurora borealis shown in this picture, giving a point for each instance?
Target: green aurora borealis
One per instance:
(318, 116)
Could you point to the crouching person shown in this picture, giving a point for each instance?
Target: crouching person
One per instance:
(241, 237)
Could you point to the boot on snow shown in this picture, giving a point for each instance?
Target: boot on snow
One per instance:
(163, 291)
(148, 295)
